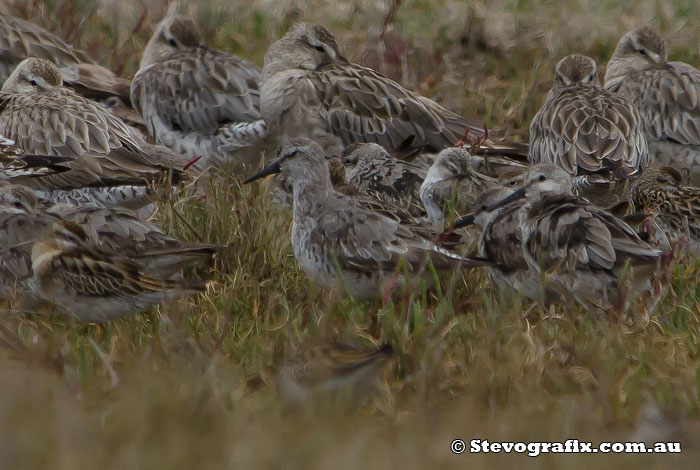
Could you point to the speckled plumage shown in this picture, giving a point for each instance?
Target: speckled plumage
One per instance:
(310, 90)
(24, 216)
(43, 117)
(667, 96)
(197, 100)
(91, 284)
(586, 129)
(452, 183)
(675, 206)
(553, 246)
(350, 243)
(20, 40)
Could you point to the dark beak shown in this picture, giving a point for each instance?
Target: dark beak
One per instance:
(519, 194)
(271, 169)
(464, 221)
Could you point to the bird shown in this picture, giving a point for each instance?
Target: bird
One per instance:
(20, 40)
(24, 216)
(332, 371)
(667, 96)
(309, 90)
(350, 244)
(197, 100)
(376, 174)
(44, 117)
(452, 183)
(591, 132)
(674, 206)
(93, 285)
(16, 164)
(555, 247)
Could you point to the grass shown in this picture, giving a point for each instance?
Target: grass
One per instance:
(191, 384)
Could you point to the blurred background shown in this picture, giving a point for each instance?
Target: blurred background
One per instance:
(191, 386)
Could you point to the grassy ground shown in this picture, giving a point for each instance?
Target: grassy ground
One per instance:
(191, 384)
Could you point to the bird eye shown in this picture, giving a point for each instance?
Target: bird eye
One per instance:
(17, 204)
(643, 52)
(172, 42)
(319, 48)
(512, 182)
(32, 82)
(542, 178)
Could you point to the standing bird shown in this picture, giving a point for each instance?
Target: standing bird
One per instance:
(44, 117)
(588, 131)
(20, 40)
(310, 90)
(91, 284)
(196, 100)
(667, 96)
(332, 372)
(347, 242)
(674, 206)
(554, 246)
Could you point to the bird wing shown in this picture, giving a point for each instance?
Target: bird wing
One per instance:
(668, 100)
(568, 230)
(60, 122)
(92, 274)
(366, 236)
(585, 130)
(20, 39)
(200, 91)
(361, 105)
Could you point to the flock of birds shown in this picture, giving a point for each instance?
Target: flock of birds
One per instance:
(385, 184)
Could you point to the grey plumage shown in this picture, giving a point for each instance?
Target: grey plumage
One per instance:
(24, 217)
(20, 40)
(586, 129)
(197, 100)
(553, 246)
(666, 94)
(310, 90)
(452, 182)
(42, 116)
(376, 174)
(348, 243)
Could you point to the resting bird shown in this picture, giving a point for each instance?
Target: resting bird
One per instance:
(24, 217)
(196, 100)
(552, 246)
(332, 371)
(310, 90)
(666, 94)
(91, 284)
(20, 40)
(674, 206)
(588, 131)
(44, 117)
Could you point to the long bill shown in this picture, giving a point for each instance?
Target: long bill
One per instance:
(518, 194)
(271, 169)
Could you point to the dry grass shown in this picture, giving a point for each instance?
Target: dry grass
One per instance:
(191, 384)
